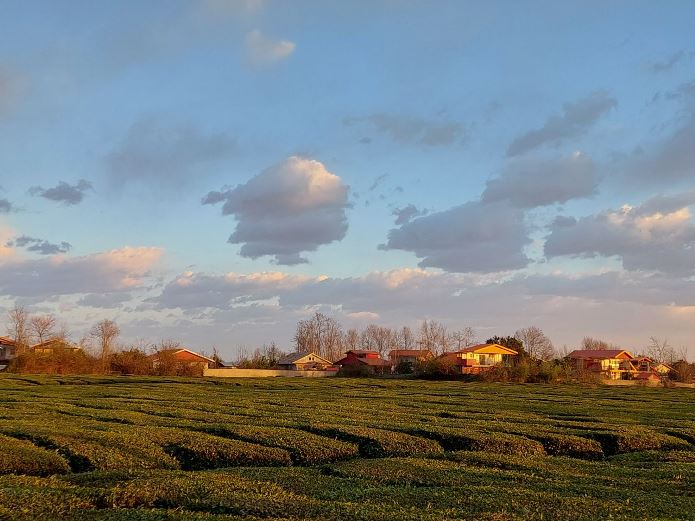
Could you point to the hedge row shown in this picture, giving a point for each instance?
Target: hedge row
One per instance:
(304, 447)
(377, 443)
(636, 439)
(23, 457)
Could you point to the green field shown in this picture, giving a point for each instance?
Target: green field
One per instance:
(157, 448)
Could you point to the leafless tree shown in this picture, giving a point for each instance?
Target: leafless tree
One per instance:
(661, 351)
(590, 343)
(378, 338)
(536, 343)
(320, 334)
(351, 339)
(41, 327)
(404, 338)
(434, 336)
(464, 337)
(105, 334)
(17, 328)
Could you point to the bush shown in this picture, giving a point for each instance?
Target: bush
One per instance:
(404, 367)
(23, 457)
(631, 440)
(132, 361)
(58, 362)
(378, 443)
(497, 442)
(568, 445)
(436, 368)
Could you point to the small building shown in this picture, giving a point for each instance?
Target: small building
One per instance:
(54, 346)
(409, 356)
(369, 360)
(613, 364)
(479, 358)
(8, 349)
(182, 356)
(303, 361)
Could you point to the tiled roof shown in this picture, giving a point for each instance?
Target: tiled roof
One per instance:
(598, 353)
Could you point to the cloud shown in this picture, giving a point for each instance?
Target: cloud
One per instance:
(104, 300)
(413, 130)
(123, 269)
(472, 237)
(40, 246)
(670, 62)
(261, 50)
(290, 208)
(672, 160)
(166, 156)
(576, 119)
(657, 236)
(67, 194)
(407, 213)
(5, 205)
(529, 183)
(11, 85)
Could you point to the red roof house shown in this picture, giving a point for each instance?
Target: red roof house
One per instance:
(182, 355)
(360, 358)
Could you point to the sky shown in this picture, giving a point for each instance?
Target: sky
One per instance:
(213, 171)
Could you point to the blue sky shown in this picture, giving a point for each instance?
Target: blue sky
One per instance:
(312, 123)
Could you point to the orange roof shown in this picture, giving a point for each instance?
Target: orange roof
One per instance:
(183, 354)
(599, 354)
(480, 348)
(6, 341)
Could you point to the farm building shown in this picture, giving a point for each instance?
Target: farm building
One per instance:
(182, 356)
(612, 364)
(617, 364)
(370, 360)
(7, 349)
(475, 359)
(303, 361)
(53, 346)
(409, 356)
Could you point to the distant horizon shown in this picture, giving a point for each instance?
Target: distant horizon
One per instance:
(215, 171)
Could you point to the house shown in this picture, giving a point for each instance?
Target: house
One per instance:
(409, 356)
(649, 365)
(54, 346)
(7, 349)
(613, 364)
(303, 361)
(369, 360)
(479, 358)
(182, 356)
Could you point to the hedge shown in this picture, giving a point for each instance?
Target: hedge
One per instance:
(23, 457)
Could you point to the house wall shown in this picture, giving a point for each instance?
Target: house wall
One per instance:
(230, 372)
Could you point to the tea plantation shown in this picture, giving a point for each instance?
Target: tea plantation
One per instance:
(121, 448)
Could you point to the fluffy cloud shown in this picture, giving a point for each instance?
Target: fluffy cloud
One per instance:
(40, 246)
(528, 183)
(166, 156)
(292, 207)
(112, 271)
(472, 237)
(407, 213)
(576, 119)
(670, 62)
(413, 130)
(262, 50)
(63, 192)
(659, 235)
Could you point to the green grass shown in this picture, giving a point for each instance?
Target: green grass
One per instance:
(143, 448)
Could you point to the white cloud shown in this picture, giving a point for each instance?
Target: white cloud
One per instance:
(472, 237)
(290, 208)
(261, 49)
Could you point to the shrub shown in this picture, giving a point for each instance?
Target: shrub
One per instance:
(305, 448)
(631, 440)
(23, 457)
(377, 443)
(568, 445)
(132, 361)
(497, 442)
(404, 367)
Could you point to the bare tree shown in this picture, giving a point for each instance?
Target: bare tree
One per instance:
(351, 339)
(434, 336)
(18, 318)
(404, 338)
(319, 334)
(105, 334)
(378, 338)
(590, 343)
(464, 337)
(661, 350)
(536, 343)
(41, 327)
